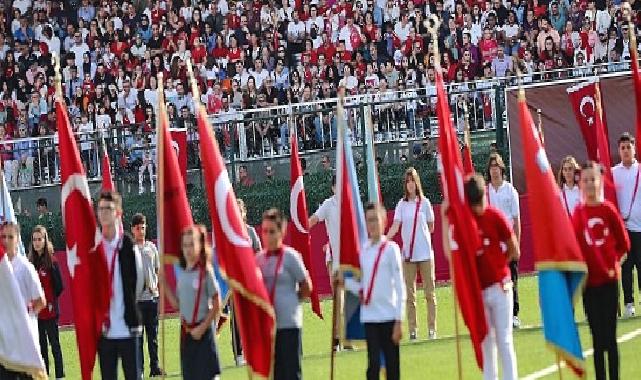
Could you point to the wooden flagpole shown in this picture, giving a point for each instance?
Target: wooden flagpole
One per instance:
(433, 30)
(160, 181)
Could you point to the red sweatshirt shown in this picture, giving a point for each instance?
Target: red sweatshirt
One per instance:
(603, 241)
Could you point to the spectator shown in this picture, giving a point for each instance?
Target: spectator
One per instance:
(243, 176)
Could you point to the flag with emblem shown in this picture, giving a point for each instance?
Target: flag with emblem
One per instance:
(562, 270)
(85, 256)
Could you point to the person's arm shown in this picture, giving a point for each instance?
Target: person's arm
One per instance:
(396, 263)
(393, 230)
(516, 215)
(513, 250)
(37, 305)
(445, 230)
(305, 288)
(298, 271)
(429, 215)
(198, 331)
(620, 234)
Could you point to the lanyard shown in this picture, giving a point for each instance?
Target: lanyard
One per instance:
(368, 296)
(201, 274)
(279, 264)
(418, 206)
(634, 195)
(565, 199)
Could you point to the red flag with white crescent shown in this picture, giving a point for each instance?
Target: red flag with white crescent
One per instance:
(85, 256)
(299, 227)
(462, 243)
(253, 308)
(583, 100)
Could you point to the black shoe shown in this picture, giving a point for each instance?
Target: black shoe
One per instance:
(157, 372)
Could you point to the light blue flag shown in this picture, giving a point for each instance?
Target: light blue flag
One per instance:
(6, 211)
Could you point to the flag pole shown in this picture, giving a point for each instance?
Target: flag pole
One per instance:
(540, 126)
(160, 184)
(466, 132)
(558, 366)
(340, 113)
(433, 30)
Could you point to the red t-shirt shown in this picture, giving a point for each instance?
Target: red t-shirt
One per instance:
(491, 260)
(488, 49)
(603, 241)
(47, 313)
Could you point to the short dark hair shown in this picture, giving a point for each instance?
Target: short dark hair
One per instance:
(475, 189)
(42, 202)
(589, 164)
(626, 137)
(275, 215)
(111, 196)
(138, 219)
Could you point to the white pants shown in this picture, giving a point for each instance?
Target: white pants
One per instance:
(498, 311)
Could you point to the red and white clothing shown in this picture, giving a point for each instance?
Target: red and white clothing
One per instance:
(505, 199)
(603, 241)
(628, 197)
(29, 284)
(406, 213)
(328, 212)
(494, 275)
(383, 290)
(570, 198)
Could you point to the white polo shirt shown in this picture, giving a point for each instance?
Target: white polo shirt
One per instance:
(506, 199)
(388, 296)
(328, 212)
(570, 198)
(624, 181)
(404, 213)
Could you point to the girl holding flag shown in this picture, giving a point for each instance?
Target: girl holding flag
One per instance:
(604, 242)
(567, 180)
(198, 301)
(287, 282)
(415, 217)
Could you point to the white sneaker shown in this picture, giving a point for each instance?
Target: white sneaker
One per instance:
(240, 361)
(516, 322)
(629, 310)
(431, 335)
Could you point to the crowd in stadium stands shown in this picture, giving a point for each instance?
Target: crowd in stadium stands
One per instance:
(251, 54)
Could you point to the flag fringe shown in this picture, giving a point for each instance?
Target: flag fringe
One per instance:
(577, 365)
(35, 372)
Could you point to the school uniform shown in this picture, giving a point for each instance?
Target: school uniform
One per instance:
(418, 256)
(626, 181)
(495, 280)
(506, 200)
(603, 241)
(51, 282)
(122, 327)
(195, 288)
(283, 270)
(383, 296)
(148, 304)
(570, 198)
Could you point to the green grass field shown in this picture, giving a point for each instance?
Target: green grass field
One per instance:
(420, 359)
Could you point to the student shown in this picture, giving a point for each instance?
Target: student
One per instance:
(148, 299)
(41, 256)
(500, 246)
(287, 283)
(328, 212)
(415, 217)
(568, 183)
(504, 198)
(601, 234)
(626, 181)
(121, 330)
(198, 301)
(382, 295)
(29, 283)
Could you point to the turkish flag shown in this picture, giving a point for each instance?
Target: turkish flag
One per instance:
(107, 179)
(172, 200)
(603, 148)
(85, 256)
(468, 164)
(179, 144)
(254, 311)
(463, 244)
(636, 77)
(559, 260)
(299, 227)
(583, 100)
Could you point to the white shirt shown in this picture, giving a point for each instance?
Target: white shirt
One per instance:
(328, 212)
(624, 180)
(388, 296)
(572, 198)
(29, 284)
(345, 34)
(404, 213)
(118, 328)
(506, 199)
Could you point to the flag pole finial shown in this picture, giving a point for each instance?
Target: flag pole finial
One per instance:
(57, 78)
(195, 91)
(433, 30)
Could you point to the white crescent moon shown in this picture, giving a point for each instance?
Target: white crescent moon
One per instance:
(585, 100)
(222, 190)
(293, 204)
(75, 182)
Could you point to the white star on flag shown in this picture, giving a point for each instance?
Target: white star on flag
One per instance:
(72, 259)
